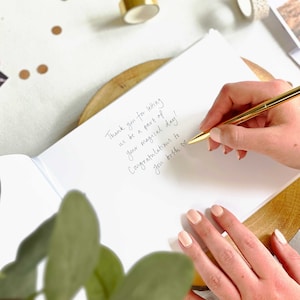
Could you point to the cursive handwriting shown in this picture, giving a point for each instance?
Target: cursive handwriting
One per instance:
(149, 138)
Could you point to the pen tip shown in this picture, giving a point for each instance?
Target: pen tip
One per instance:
(199, 137)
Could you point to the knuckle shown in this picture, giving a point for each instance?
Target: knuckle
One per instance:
(227, 256)
(225, 90)
(293, 260)
(238, 138)
(195, 256)
(229, 222)
(214, 281)
(277, 289)
(295, 257)
(234, 137)
(206, 232)
(204, 229)
(250, 241)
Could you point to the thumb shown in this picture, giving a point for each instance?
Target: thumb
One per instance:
(260, 140)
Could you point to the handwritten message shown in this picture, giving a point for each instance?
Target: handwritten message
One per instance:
(149, 138)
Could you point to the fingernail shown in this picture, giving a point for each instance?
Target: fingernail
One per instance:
(215, 134)
(217, 210)
(238, 155)
(194, 217)
(280, 237)
(185, 239)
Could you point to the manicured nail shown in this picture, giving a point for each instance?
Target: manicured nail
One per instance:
(193, 216)
(238, 155)
(217, 210)
(215, 134)
(185, 239)
(280, 237)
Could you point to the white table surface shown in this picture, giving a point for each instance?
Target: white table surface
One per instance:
(95, 45)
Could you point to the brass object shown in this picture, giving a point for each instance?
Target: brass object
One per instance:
(138, 11)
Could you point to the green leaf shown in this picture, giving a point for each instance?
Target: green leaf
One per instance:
(73, 251)
(22, 272)
(107, 275)
(35, 247)
(26, 283)
(160, 275)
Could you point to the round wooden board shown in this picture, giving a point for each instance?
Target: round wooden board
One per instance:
(120, 84)
(281, 212)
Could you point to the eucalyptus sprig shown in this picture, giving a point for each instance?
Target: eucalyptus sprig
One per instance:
(69, 242)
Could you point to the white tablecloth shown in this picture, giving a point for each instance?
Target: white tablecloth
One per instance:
(95, 45)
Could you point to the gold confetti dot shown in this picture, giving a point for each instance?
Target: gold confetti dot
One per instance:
(42, 69)
(56, 30)
(24, 74)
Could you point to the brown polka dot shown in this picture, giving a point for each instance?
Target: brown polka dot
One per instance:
(42, 69)
(56, 30)
(24, 74)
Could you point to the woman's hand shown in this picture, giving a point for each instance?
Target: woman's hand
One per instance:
(275, 133)
(251, 274)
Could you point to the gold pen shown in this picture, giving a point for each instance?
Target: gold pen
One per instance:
(252, 112)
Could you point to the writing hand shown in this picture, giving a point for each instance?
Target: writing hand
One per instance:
(251, 274)
(275, 133)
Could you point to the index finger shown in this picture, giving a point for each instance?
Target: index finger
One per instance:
(240, 96)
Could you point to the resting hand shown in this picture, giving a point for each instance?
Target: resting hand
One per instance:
(253, 274)
(275, 133)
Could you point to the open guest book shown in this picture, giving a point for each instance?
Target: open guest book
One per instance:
(133, 162)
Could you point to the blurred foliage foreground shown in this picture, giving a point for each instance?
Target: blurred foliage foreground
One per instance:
(69, 242)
